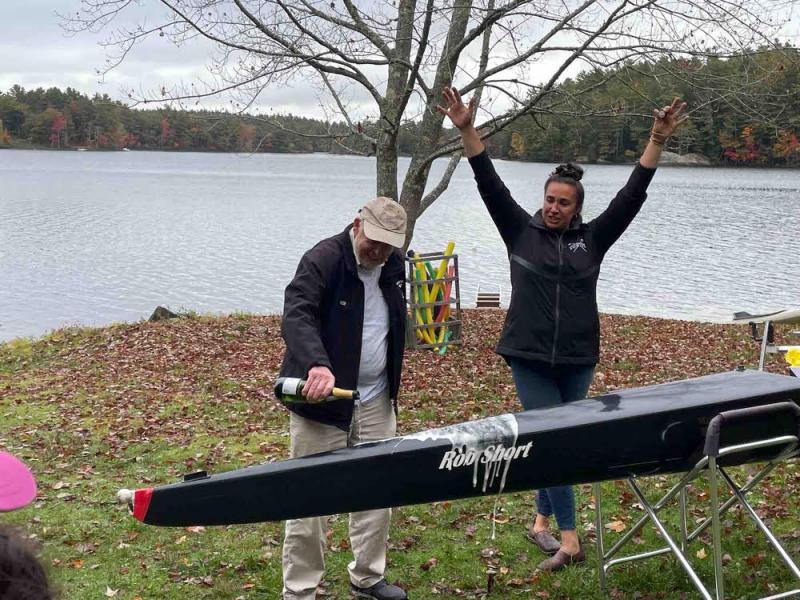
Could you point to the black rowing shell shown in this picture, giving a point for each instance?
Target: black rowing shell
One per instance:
(640, 431)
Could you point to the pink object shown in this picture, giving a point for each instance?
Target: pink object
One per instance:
(17, 485)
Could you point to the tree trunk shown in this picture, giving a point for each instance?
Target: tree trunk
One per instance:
(390, 111)
(431, 127)
(386, 164)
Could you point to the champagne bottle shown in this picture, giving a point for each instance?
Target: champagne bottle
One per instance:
(290, 389)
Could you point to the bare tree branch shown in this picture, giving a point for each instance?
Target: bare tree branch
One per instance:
(388, 60)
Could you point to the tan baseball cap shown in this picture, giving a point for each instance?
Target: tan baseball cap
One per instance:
(384, 221)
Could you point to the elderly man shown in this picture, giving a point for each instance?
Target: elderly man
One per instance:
(344, 323)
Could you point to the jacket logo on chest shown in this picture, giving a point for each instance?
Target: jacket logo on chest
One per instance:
(579, 245)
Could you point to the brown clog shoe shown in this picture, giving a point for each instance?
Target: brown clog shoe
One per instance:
(544, 540)
(561, 559)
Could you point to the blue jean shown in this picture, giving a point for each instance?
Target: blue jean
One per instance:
(538, 385)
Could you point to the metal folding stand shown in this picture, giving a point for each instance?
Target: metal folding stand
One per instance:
(774, 450)
(767, 341)
(766, 337)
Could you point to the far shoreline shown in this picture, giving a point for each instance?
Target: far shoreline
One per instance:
(602, 163)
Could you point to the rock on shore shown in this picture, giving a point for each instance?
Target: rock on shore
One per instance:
(690, 159)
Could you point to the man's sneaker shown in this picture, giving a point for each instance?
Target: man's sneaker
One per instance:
(383, 590)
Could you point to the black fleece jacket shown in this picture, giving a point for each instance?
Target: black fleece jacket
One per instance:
(323, 317)
(553, 312)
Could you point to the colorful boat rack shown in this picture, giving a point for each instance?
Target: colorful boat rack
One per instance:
(434, 302)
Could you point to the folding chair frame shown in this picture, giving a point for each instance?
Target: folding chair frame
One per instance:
(786, 446)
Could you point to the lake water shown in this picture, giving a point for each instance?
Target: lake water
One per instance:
(92, 238)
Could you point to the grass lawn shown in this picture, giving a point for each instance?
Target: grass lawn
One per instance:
(95, 410)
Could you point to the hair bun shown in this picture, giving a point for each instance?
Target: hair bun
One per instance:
(570, 170)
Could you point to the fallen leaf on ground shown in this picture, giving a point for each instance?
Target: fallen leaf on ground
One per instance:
(617, 526)
(429, 564)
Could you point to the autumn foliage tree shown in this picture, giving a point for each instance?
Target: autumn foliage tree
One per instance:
(246, 137)
(166, 131)
(57, 127)
(787, 147)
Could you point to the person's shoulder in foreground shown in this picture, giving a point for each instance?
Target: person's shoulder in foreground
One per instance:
(21, 574)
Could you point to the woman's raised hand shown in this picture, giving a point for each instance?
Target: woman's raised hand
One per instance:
(459, 113)
(669, 118)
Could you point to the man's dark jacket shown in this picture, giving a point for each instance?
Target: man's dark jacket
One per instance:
(553, 315)
(323, 315)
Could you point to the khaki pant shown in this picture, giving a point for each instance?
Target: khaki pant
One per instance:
(304, 541)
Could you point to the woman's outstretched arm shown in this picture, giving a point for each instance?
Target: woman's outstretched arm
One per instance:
(667, 120)
(462, 115)
(509, 217)
(614, 220)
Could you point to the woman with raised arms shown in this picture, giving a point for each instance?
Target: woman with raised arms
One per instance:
(551, 335)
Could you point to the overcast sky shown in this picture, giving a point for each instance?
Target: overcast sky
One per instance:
(36, 52)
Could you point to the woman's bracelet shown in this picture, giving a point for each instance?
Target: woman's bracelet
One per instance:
(659, 139)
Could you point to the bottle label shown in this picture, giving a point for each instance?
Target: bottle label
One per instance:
(290, 386)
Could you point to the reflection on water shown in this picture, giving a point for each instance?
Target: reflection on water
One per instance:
(92, 238)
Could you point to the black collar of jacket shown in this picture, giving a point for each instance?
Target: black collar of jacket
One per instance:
(391, 267)
(348, 251)
(537, 220)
